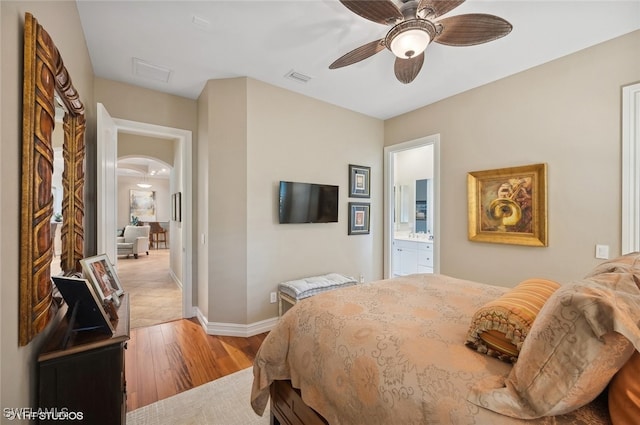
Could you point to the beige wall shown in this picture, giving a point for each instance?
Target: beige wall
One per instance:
(296, 138)
(225, 202)
(144, 146)
(61, 20)
(565, 113)
(256, 136)
(163, 198)
(148, 106)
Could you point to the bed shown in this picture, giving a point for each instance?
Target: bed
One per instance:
(397, 351)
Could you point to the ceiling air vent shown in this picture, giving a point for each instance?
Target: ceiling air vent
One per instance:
(297, 76)
(150, 71)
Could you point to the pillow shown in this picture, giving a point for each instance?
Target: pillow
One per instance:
(628, 263)
(582, 336)
(624, 393)
(499, 327)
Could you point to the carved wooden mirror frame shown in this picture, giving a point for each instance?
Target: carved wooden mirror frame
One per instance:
(45, 75)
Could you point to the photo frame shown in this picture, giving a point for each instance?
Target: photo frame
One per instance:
(176, 206)
(359, 181)
(85, 311)
(508, 205)
(359, 218)
(103, 277)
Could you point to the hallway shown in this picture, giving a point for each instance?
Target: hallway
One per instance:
(154, 295)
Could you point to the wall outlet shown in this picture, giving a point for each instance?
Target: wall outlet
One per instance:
(273, 297)
(361, 278)
(602, 252)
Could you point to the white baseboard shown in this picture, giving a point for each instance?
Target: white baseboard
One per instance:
(175, 278)
(235, 329)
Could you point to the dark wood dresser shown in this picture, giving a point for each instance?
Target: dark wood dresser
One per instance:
(86, 377)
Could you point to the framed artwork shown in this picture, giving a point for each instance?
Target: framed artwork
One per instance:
(142, 204)
(508, 205)
(176, 206)
(103, 277)
(359, 218)
(85, 307)
(359, 181)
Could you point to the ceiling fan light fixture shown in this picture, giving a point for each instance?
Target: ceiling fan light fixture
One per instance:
(410, 38)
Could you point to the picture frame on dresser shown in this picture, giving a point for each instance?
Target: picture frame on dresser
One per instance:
(85, 311)
(103, 277)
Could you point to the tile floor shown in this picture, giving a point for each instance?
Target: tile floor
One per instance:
(154, 296)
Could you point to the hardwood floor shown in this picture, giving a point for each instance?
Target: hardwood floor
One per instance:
(169, 358)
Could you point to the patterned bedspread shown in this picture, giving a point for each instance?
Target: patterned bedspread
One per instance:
(390, 352)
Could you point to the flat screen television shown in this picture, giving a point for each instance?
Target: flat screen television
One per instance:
(308, 203)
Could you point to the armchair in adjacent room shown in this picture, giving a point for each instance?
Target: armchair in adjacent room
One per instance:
(134, 241)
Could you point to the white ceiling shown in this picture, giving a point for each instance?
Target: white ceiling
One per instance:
(265, 39)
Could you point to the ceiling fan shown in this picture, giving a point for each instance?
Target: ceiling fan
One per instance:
(416, 23)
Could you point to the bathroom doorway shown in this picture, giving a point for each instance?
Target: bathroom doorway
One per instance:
(412, 207)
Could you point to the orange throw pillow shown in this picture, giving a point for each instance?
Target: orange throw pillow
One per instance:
(624, 393)
(499, 328)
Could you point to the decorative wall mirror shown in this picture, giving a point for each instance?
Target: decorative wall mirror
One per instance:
(44, 76)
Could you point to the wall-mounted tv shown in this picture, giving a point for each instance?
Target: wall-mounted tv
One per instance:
(308, 203)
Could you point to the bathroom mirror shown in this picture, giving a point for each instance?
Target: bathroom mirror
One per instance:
(402, 204)
(44, 76)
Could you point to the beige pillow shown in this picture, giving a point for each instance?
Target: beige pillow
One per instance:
(629, 263)
(499, 327)
(624, 393)
(578, 342)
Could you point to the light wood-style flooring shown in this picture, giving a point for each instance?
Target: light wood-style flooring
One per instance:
(166, 354)
(153, 294)
(166, 359)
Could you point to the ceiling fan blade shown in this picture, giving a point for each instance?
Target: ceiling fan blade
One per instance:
(472, 29)
(381, 11)
(437, 8)
(407, 69)
(356, 55)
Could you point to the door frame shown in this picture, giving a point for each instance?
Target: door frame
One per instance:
(184, 138)
(630, 168)
(389, 151)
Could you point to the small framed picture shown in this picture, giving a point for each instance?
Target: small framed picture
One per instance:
(359, 218)
(176, 206)
(85, 306)
(359, 181)
(103, 277)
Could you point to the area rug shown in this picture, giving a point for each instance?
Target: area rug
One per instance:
(225, 401)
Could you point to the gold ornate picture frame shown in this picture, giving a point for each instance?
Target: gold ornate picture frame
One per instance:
(508, 205)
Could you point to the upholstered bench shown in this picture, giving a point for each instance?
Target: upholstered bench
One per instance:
(296, 290)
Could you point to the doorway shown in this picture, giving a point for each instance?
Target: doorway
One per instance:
(412, 207)
(144, 172)
(181, 240)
